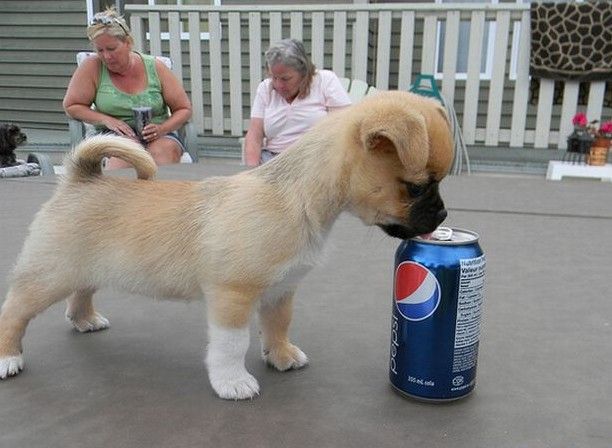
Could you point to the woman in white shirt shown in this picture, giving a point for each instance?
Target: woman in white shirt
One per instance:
(290, 101)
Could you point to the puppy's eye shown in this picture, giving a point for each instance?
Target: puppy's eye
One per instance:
(416, 190)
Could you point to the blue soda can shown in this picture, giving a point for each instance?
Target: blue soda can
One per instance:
(435, 327)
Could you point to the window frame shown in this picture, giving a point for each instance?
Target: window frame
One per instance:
(488, 45)
(184, 34)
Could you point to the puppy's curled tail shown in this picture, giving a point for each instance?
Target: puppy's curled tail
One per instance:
(85, 161)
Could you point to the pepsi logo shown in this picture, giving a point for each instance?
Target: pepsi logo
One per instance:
(458, 381)
(417, 291)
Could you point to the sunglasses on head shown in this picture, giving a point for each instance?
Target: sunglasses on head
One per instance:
(103, 19)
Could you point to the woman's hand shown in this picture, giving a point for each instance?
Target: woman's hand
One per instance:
(152, 132)
(119, 127)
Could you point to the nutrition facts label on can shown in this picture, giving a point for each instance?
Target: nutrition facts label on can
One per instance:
(471, 290)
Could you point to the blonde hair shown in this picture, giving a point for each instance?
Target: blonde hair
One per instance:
(111, 23)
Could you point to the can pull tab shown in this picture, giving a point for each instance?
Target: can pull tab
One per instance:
(442, 234)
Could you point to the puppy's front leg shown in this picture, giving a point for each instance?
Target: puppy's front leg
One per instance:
(274, 319)
(228, 342)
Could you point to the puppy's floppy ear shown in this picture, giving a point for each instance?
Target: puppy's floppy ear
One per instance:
(405, 133)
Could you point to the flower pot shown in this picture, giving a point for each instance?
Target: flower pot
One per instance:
(598, 155)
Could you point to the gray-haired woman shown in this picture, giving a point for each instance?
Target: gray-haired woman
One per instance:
(292, 99)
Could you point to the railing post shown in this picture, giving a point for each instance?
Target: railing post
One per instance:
(195, 70)
(521, 85)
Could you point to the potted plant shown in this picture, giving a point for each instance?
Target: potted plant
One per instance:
(581, 139)
(598, 154)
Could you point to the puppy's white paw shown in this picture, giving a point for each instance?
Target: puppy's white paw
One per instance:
(92, 323)
(225, 360)
(285, 358)
(10, 366)
(235, 385)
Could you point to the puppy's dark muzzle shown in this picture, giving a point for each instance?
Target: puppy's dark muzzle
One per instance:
(426, 214)
(407, 232)
(442, 214)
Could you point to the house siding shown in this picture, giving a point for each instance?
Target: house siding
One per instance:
(38, 41)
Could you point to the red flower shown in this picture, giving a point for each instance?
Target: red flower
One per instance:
(580, 119)
(606, 128)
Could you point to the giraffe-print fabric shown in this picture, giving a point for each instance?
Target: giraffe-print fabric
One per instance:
(572, 41)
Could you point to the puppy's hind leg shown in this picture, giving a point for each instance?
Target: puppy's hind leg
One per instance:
(228, 342)
(274, 319)
(81, 313)
(26, 298)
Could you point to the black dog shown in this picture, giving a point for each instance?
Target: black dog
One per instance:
(10, 137)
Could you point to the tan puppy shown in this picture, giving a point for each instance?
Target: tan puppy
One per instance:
(242, 241)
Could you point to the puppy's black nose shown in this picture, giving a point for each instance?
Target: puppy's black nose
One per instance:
(442, 214)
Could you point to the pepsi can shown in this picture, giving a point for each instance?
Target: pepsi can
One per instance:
(435, 329)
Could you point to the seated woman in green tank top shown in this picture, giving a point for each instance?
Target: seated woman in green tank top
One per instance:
(117, 80)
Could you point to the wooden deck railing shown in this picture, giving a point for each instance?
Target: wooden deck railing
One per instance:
(218, 52)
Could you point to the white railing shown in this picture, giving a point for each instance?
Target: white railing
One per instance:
(385, 45)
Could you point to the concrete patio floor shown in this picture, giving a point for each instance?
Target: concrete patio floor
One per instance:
(545, 354)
